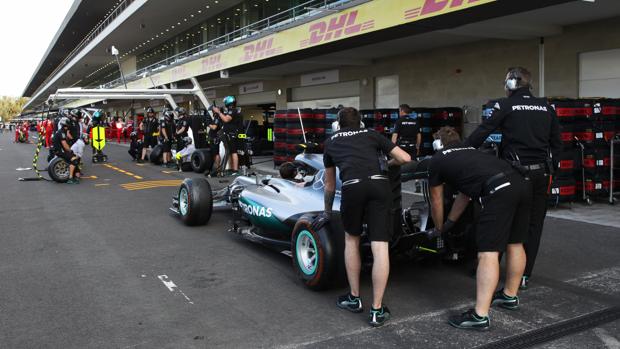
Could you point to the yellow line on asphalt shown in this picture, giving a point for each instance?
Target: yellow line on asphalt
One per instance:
(101, 185)
(89, 177)
(122, 171)
(151, 184)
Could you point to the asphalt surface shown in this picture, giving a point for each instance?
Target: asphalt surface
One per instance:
(96, 265)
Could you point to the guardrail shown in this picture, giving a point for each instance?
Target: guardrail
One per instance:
(272, 23)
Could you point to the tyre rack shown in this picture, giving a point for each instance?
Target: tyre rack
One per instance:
(612, 193)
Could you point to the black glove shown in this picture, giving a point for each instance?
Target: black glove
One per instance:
(447, 226)
(320, 221)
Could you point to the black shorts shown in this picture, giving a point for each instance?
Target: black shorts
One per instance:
(367, 202)
(166, 146)
(505, 216)
(149, 141)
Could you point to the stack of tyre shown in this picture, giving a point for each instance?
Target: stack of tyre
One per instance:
(279, 132)
(424, 117)
(571, 115)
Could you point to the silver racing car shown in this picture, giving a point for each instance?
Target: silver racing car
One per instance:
(278, 213)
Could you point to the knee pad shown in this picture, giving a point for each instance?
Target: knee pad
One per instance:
(75, 162)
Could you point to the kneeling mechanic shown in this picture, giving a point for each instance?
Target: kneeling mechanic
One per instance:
(366, 196)
(502, 226)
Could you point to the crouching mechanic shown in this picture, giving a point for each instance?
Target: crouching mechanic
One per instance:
(62, 149)
(366, 196)
(503, 224)
(184, 154)
(77, 152)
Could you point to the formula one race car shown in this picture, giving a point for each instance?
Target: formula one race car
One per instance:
(278, 213)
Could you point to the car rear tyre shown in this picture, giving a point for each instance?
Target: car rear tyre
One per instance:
(195, 201)
(156, 154)
(58, 169)
(318, 255)
(201, 160)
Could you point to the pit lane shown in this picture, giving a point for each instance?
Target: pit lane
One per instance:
(97, 265)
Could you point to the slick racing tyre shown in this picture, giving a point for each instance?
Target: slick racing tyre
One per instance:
(58, 169)
(318, 255)
(201, 160)
(156, 154)
(195, 201)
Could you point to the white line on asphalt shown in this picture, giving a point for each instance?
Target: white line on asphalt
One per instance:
(171, 286)
(411, 193)
(607, 339)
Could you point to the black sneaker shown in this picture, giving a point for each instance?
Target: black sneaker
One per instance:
(378, 317)
(524, 282)
(469, 320)
(350, 303)
(503, 301)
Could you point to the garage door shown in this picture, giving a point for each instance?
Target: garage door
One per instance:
(599, 74)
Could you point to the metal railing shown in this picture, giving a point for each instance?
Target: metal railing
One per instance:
(273, 23)
(90, 37)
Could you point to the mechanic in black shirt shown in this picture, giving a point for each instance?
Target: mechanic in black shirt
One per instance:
(182, 127)
(505, 197)
(148, 128)
(407, 132)
(214, 127)
(62, 149)
(531, 134)
(232, 125)
(360, 155)
(166, 132)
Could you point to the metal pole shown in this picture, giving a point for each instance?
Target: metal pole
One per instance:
(302, 125)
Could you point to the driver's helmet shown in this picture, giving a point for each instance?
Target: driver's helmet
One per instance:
(229, 101)
(85, 137)
(187, 140)
(150, 110)
(133, 135)
(168, 115)
(98, 114)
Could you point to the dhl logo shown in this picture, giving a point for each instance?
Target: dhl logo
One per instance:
(212, 63)
(259, 50)
(336, 27)
(434, 6)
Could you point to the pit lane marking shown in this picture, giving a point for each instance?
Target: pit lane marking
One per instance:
(171, 286)
(151, 184)
(123, 171)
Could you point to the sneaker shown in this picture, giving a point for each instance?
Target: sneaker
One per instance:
(172, 165)
(73, 181)
(165, 164)
(503, 301)
(378, 317)
(140, 161)
(350, 303)
(524, 282)
(469, 320)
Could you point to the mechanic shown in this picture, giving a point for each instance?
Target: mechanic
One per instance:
(135, 147)
(215, 126)
(77, 152)
(531, 142)
(62, 148)
(407, 132)
(184, 155)
(148, 126)
(360, 155)
(166, 133)
(505, 197)
(232, 124)
(182, 127)
(48, 126)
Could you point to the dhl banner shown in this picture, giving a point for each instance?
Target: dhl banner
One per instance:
(368, 17)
